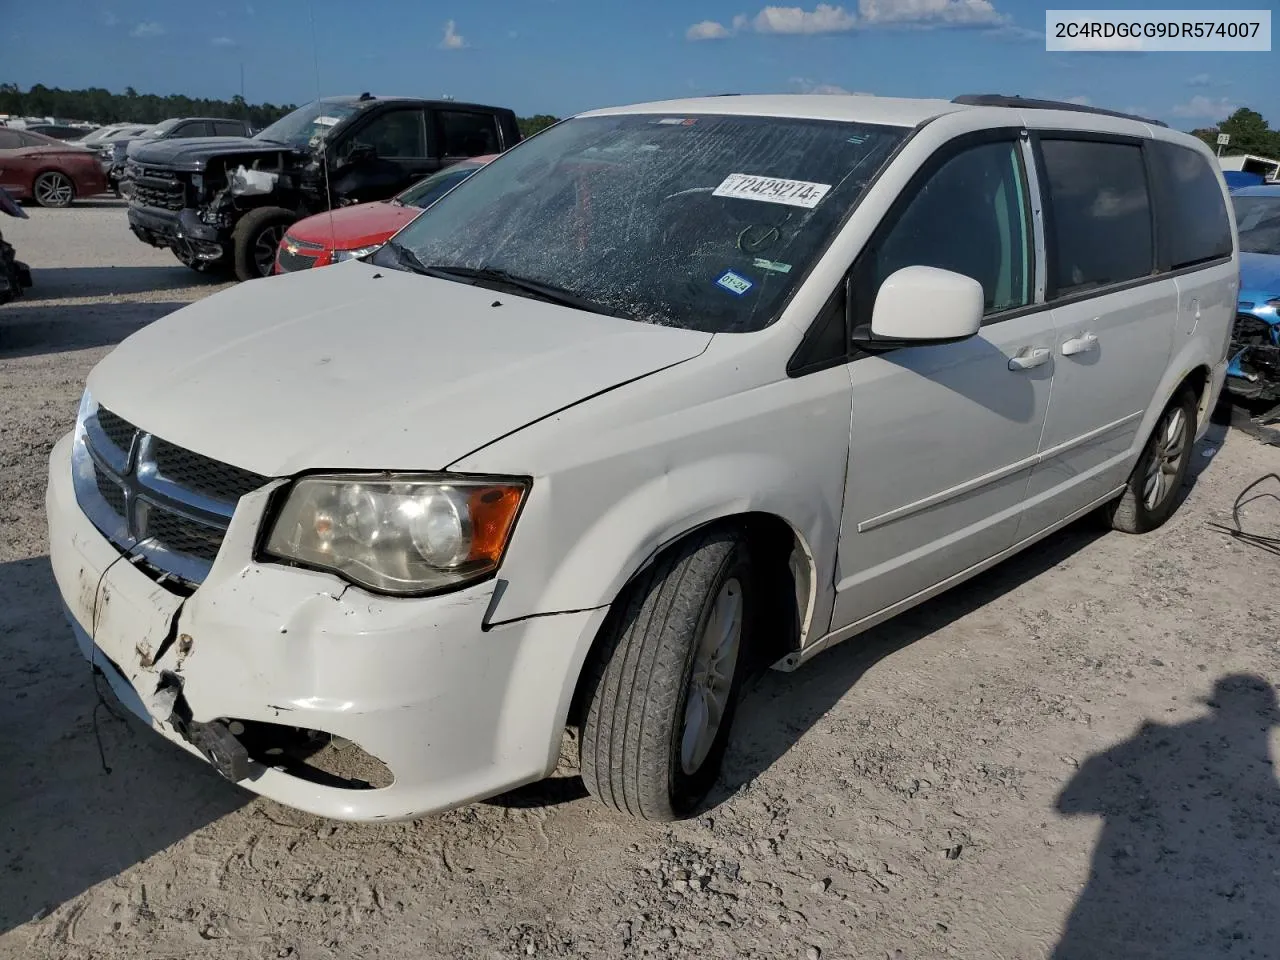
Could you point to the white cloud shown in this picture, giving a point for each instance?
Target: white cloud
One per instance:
(109, 18)
(805, 85)
(832, 18)
(1201, 107)
(1199, 80)
(929, 12)
(824, 18)
(1015, 34)
(223, 42)
(707, 30)
(148, 28)
(453, 40)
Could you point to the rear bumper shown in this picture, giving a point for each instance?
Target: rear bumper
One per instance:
(454, 712)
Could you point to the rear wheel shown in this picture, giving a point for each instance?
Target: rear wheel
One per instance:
(1151, 494)
(53, 189)
(256, 239)
(666, 680)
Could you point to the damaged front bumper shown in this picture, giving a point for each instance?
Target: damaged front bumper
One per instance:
(264, 667)
(180, 230)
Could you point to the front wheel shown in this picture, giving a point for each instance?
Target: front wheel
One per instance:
(1151, 494)
(665, 683)
(53, 189)
(256, 239)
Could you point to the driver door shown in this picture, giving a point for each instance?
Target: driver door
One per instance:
(943, 438)
(383, 155)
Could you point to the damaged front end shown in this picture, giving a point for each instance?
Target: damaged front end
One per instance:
(1253, 373)
(15, 276)
(193, 209)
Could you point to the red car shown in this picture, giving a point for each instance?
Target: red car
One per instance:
(351, 232)
(49, 171)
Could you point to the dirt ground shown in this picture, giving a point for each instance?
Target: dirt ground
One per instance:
(1068, 757)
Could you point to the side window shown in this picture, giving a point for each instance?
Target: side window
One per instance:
(227, 128)
(467, 134)
(10, 140)
(397, 134)
(1193, 215)
(1100, 214)
(969, 217)
(196, 128)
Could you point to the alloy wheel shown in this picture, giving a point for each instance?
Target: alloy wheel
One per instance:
(711, 682)
(1166, 456)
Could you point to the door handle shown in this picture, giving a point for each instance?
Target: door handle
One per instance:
(1029, 358)
(1077, 345)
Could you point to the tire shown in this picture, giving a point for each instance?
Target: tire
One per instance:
(258, 231)
(639, 749)
(53, 189)
(1151, 494)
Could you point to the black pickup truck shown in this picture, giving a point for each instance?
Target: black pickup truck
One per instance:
(224, 202)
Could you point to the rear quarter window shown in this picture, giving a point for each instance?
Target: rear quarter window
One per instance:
(1194, 227)
(1100, 230)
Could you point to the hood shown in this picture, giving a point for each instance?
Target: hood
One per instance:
(361, 367)
(1259, 274)
(357, 226)
(194, 153)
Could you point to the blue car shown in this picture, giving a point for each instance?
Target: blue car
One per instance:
(1254, 372)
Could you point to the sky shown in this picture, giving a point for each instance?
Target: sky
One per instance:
(564, 56)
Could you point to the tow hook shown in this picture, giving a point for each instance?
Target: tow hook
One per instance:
(214, 740)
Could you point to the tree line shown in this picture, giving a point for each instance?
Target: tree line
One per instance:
(102, 106)
(1249, 133)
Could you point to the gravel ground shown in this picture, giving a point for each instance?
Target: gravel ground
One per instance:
(1070, 756)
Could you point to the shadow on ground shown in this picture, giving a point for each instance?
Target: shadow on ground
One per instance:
(65, 823)
(56, 283)
(781, 708)
(1188, 860)
(32, 330)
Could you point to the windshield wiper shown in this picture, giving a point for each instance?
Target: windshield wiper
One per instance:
(491, 277)
(411, 260)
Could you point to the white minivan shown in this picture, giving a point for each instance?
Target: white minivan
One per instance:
(664, 393)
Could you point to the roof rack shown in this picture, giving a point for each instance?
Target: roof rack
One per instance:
(1000, 100)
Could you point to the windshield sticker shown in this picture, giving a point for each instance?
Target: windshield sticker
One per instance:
(325, 121)
(735, 283)
(793, 193)
(773, 265)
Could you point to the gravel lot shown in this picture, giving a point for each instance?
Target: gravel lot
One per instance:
(1053, 760)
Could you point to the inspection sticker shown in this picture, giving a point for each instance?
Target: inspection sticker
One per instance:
(735, 283)
(793, 193)
(325, 121)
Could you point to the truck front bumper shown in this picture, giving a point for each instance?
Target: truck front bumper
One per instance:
(178, 230)
(452, 711)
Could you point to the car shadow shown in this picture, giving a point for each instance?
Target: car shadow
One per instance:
(56, 283)
(1187, 858)
(86, 792)
(780, 708)
(32, 330)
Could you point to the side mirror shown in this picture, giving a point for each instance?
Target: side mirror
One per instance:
(923, 305)
(361, 153)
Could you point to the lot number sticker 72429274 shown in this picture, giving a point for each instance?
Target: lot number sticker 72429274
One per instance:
(793, 193)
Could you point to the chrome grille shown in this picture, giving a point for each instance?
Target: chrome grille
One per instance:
(213, 478)
(153, 187)
(155, 499)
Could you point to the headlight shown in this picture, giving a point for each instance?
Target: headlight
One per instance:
(400, 535)
(340, 255)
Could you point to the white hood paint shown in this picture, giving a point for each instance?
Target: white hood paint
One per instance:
(359, 367)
